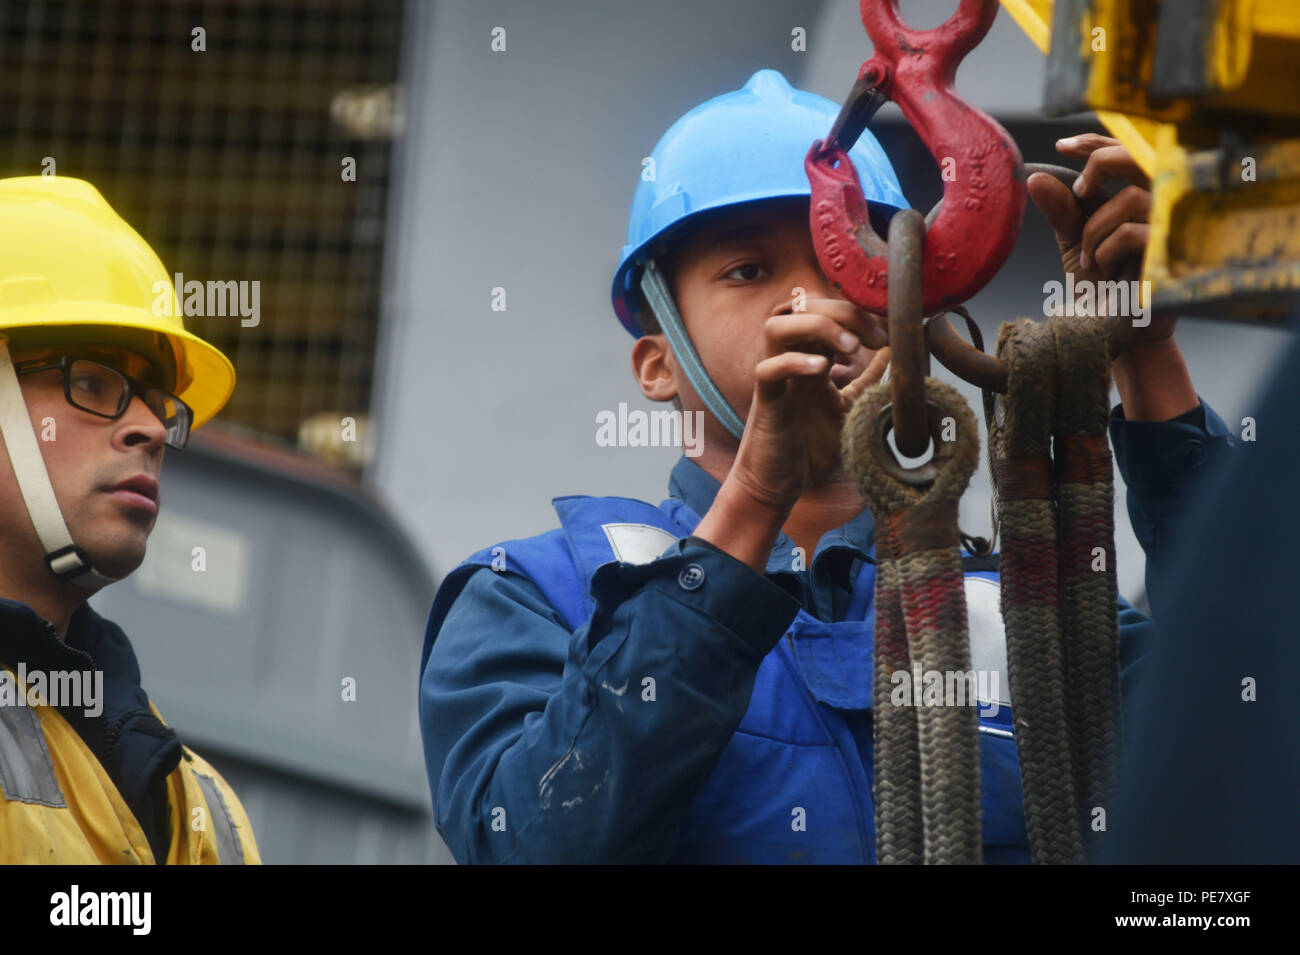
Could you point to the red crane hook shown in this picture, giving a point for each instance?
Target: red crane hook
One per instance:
(971, 231)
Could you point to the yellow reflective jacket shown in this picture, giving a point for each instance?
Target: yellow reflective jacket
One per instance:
(58, 805)
(58, 801)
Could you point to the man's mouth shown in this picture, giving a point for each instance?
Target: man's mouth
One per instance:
(138, 492)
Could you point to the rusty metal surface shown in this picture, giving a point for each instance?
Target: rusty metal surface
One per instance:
(909, 362)
(1225, 231)
(962, 359)
(988, 371)
(1069, 69)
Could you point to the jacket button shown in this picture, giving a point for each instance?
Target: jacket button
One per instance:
(1196, 455)
(691, 577)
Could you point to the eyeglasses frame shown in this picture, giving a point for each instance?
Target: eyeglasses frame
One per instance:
(134, 388)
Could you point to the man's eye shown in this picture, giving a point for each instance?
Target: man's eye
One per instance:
(90, 384)
(746, 273)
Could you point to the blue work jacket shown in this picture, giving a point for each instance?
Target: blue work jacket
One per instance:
(617, 690)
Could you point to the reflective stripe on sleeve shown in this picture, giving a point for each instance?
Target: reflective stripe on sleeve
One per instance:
(230, 849)
(26, 770)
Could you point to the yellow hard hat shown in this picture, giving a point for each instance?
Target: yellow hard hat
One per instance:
(66, 258)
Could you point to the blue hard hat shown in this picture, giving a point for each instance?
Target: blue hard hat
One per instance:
(738, 147)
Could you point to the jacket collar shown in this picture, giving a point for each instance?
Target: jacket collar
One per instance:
(92, 643)
(697, 488)
(27, 637)
(136, 749)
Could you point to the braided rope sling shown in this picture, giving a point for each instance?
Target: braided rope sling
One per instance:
(1051, 467)
(1054, 496)
(927, 756)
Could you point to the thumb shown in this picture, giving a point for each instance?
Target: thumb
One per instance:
(874, 371)
(1059, 207)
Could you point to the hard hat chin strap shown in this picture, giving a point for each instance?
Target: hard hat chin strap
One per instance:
(64, 558)
(660, 299)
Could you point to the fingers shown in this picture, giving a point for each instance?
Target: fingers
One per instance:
(873, 373)
(1121, 252)
(1131, 206)
(1108, 162)
(1112, 237)
(808, 332)
(1084, 144)
(1059, 208)
(819, 332)
(871, 330)
(771, 374)
(879, 336)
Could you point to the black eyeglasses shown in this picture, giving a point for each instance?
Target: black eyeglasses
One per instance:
(106, 392)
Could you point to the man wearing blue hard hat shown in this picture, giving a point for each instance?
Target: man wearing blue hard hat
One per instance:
(691, 682)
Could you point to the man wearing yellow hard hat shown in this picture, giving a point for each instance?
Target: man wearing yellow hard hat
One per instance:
(95, 381)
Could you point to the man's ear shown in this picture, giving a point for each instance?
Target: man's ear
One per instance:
(654, 367)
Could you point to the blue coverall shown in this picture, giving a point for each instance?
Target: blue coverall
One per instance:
(541, 746)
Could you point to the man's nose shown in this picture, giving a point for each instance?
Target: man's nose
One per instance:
(810, 277)
(139, 427)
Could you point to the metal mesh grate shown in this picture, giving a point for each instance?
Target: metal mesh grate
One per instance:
(228, 161)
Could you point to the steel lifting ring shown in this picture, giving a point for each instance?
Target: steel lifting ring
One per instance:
(984, 179)
(962, 359)
(988, 371)
(922, 475)
(909, 359)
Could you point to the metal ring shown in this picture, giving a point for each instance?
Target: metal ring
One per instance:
(1066, 176)
(922, 476)
(909, 362)
(963, 359)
